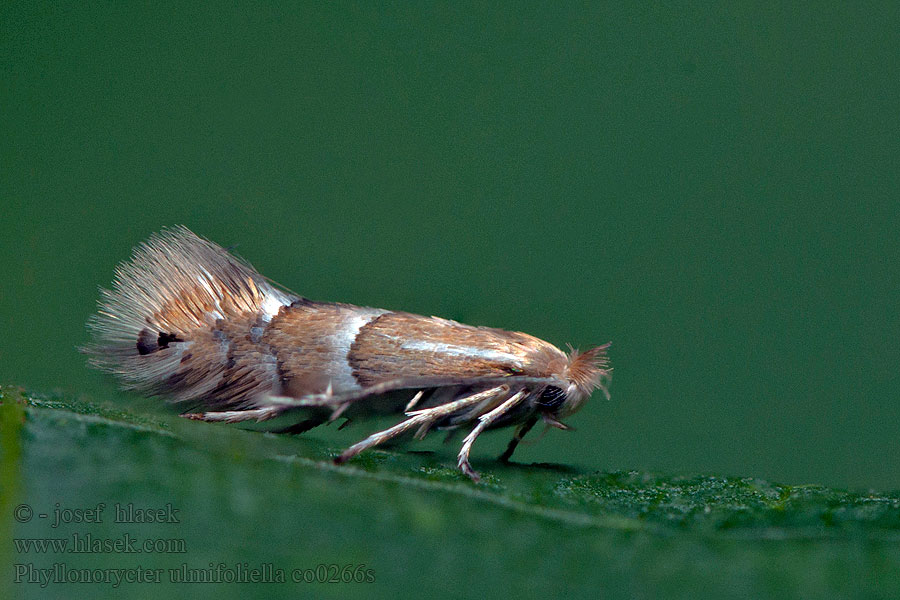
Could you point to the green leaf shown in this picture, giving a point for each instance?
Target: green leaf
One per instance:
(255, 500)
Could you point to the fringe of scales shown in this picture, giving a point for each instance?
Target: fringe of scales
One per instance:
(168, 297)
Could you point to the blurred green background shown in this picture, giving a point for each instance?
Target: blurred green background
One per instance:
(713, 189)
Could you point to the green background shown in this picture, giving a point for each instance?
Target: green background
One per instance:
(711, 188)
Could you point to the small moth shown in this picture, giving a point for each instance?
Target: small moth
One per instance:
(190, 321)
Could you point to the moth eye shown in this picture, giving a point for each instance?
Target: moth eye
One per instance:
(552, 397)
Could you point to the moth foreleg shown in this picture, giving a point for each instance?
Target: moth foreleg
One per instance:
(521, 431)
(483, 422)
(419, 419)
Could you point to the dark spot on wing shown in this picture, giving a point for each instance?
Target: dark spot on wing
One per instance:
(149, 342)
(165, 339)
(146, 342)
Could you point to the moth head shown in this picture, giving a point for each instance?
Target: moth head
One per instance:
(583, 373)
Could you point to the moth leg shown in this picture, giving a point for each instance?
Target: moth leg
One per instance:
(483, 422)
(268, 407)
(414, 401)
(554, 422)
(521, 431)
(423, 430)
(235, 416)
(418, 418)
(337, 412)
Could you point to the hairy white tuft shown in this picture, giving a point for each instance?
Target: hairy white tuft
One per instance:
(173, 291)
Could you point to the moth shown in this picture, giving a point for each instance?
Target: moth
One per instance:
(190, 321)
